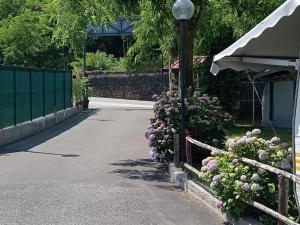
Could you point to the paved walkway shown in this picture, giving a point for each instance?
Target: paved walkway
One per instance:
(93, 169)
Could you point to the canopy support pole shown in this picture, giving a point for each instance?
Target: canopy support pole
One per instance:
(295, 130)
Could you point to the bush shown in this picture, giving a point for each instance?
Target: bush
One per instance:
(97, 61)
(206, 121)
(233, 180)
(164, 125)
(80, 84)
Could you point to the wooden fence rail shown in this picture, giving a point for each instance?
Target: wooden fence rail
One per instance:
(283, 182)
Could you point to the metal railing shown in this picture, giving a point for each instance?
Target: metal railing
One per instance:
(283, 180)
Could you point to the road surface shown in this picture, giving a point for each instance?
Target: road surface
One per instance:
(93, 169)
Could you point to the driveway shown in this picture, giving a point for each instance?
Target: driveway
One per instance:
(93, 169)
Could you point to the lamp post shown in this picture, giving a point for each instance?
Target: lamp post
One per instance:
(183, 10)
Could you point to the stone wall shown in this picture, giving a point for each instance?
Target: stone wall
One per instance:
(137, 86)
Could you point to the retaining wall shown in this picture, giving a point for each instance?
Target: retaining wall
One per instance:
(14, 133)
(137, 86)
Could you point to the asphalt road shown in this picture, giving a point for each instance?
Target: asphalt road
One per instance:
(93, 169)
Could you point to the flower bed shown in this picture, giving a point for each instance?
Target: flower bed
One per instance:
(233, 180)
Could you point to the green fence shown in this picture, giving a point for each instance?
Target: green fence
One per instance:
(29, 93)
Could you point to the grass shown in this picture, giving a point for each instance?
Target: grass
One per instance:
(241, 127)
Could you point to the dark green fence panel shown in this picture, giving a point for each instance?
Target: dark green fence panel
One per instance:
(37, 94)
(6, 98)
(23, 111)
(49, 92)
(29, 93)
(60, 93)
(68, 90)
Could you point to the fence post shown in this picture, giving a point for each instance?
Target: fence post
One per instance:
(44, 93)
(30, 93)
(188, 148)
(54, 106)
(283, 197)
(64, 89)
(15, 96)
(176, 150)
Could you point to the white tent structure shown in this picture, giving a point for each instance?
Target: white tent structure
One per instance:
(272, 45)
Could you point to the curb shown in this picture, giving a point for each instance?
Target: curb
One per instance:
(20, 131)
(180, 178)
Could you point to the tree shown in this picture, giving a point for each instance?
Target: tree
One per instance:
(26, 35)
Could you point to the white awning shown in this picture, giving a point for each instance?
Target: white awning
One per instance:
(273, 43)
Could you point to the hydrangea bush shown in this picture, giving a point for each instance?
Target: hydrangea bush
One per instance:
(206, 122)
(164, 125)
(232, 179)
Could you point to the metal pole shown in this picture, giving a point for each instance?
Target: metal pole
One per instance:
(183, 74)
(84, 57)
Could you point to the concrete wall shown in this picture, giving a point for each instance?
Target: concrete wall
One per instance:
(137, 86)
(23, 130)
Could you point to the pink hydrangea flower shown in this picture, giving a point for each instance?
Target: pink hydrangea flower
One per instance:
(205, 161)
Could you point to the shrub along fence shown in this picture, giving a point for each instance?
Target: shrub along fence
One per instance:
(283, 181)
(30, 93)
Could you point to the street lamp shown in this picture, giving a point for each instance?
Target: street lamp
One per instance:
(183, 10)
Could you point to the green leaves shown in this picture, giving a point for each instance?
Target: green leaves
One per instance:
(23, 36)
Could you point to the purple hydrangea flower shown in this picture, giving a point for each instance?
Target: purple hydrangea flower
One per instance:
(286, 165)
(217, 178)
(151, 137)
(249, 140)
(232, 144)
(150, 144)
(212, 165)
(246, 187)
(283, 145)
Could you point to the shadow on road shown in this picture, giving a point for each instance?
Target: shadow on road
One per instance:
(28, 143)
(142, 169)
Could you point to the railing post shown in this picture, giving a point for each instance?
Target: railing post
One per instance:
(188, 148)
(176, 150)
(283, 197)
